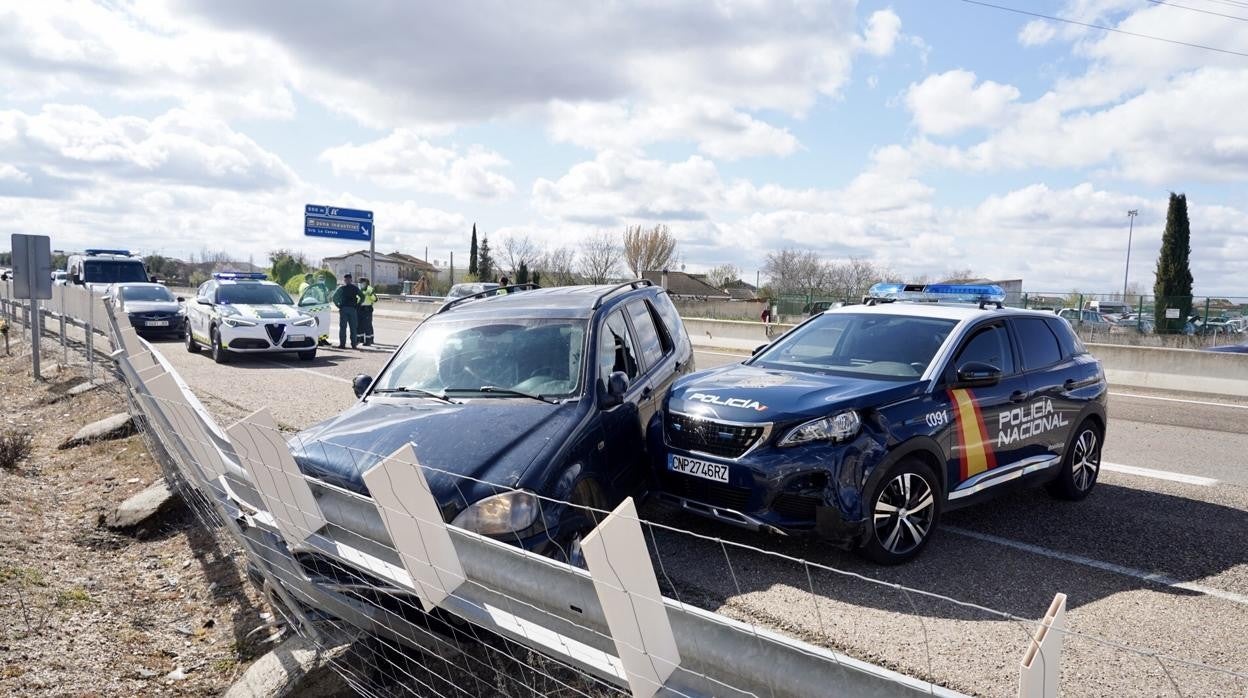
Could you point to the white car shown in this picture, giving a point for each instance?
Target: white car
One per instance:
(244, 313)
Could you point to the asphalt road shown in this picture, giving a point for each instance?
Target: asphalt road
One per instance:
(1155, 559)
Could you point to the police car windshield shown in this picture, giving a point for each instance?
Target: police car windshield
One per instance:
(107, 271)
(538, 356)
(252, 294)
(146, 293)
(889, 347)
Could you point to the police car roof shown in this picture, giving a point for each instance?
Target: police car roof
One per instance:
(945, 311)
(558, 301)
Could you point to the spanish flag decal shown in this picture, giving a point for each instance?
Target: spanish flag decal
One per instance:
(974, 449)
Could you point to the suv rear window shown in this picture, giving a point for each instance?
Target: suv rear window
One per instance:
(667, 310)
(1036, 341)
(1066, 337)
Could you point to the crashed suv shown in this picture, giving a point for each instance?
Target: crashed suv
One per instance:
(516, 401)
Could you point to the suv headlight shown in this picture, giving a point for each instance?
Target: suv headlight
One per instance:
(304, 321)
(238, 322)
(835, 428)
(502, 513)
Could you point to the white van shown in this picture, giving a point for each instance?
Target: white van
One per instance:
(99, 269)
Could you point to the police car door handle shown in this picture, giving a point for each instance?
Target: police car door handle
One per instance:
(1018, 396)
(645, 393)
(1070, 384)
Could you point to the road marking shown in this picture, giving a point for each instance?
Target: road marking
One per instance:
(1175, 399)
(1160, 474)
(720, 353)
(308, 370)
(1153, 577)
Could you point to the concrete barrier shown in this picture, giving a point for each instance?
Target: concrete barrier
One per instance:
(1190, 370)
(738, 335)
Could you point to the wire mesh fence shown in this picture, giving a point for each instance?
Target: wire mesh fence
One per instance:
(403, 604)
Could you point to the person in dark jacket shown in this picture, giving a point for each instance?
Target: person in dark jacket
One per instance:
(347, 298)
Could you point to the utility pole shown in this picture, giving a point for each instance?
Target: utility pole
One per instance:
(1130, 232)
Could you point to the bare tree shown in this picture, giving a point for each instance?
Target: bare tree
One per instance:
(600, 257)
(651, 249)
(557, 266)
(722, 275)
(796, 271)
(519, 249)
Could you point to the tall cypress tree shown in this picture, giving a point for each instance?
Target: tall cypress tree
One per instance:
(522, 274)
(472, 252)
(1173, 286)
(485, 263)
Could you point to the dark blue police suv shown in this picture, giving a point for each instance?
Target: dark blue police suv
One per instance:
(864, 423)
(517, 400)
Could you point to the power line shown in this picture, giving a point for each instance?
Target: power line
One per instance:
(1105, 28)
(1197, 9)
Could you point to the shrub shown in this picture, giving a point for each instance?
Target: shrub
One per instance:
(15, 447)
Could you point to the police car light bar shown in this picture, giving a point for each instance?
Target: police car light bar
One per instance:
(236, 275)
(935, 293)
(125, 253)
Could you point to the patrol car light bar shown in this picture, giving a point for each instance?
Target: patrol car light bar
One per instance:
(934, 293)
(125, 253)
(234, 275)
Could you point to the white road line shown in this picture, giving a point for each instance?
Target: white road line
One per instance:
(1160, 474)
(1153, 577)
(308, 370)
(1175, 399)
(720, 353)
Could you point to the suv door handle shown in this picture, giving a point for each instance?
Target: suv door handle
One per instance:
(1018, 396)
(1070, 384)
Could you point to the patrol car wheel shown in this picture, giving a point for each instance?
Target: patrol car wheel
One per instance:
(219, 353)
(191, 345)
(904, 511)
(1081, 465)
(307, 355)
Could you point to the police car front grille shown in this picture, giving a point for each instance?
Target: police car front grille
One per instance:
(710, 436)
(795, 506)
(707, 492)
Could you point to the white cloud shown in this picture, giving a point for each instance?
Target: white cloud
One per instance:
(1037, 32)
(406, 160)
(950, 102)
(617, 186)
(883, 28)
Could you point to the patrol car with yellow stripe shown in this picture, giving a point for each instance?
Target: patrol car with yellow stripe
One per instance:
(865, 423)
(245, 313)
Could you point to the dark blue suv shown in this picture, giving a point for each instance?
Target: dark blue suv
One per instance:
(517, 399)
(864, 423)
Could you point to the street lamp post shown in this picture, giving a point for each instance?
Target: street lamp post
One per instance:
(1130, 232)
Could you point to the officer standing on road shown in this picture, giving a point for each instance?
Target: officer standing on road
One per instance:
(347, 299)
(503, 283)
(368, 296)
(303, 285)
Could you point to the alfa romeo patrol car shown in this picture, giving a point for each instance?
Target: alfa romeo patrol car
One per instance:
(864, 423)
(237, 312)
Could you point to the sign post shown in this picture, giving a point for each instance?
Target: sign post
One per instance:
(343, 224)
(32, 279)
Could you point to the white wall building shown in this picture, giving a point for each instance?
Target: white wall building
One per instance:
(357, 264)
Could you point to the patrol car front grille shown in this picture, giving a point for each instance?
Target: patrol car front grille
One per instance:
(711, 437)
(275, 332)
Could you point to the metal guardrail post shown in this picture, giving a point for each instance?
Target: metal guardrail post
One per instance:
(628, 590)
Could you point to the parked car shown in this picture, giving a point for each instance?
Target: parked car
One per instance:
(864, 424)
(469, 289)
(98, 269)
(151, 308)
(518, 402)
(245, 313)
(1085, 318)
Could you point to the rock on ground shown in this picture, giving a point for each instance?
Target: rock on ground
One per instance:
(141, 507)
(117, 426)
(297, 667)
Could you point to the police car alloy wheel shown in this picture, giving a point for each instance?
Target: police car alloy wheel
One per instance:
(903, 513)
(191, 345)
(1081, 465)
(219, 353)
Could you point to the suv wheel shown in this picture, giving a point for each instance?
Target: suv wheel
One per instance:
(191, 345)
(581, 519)
(1081, 465)
(219, 353)
(904, 511)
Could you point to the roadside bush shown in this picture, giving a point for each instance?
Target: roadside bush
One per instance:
(15, 447)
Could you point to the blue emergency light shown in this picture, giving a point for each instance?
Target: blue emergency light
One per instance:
(124, 253)
(239, 275)
(935, 293)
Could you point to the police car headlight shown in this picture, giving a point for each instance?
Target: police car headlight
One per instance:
(503, 513)
(238, 322)
(305, 321)
(835, 428)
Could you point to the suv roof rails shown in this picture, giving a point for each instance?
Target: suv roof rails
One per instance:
(635, 283)
(501, 290)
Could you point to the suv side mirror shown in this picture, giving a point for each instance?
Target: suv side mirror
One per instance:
(203, 301)
(976, 374)
(617, 386)
(361, 383)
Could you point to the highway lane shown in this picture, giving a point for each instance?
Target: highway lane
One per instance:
(1147, 561)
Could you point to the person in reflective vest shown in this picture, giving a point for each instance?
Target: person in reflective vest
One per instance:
(369, 297)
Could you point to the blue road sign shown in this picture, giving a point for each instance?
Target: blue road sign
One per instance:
(334, 222)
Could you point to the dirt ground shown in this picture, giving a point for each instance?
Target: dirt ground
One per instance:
(85, 611)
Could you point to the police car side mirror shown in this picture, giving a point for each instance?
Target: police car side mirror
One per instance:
(181, 299)
(617, 386)
(974, 374)
(361, 383)
(203, 301)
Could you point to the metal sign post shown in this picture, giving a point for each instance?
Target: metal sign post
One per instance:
(32, 279)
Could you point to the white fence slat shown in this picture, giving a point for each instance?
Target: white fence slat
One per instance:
(414, 522)
(1041, 669)
(624, 579)
(264, 454)
(187, 424)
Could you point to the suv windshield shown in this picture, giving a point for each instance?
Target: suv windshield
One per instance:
(103, 271)
(253, 294)
(538, 356)
(859, 344)
(145, 293)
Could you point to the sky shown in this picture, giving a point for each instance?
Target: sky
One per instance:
(924, 135)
